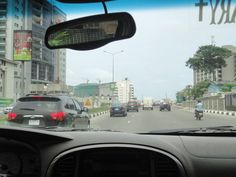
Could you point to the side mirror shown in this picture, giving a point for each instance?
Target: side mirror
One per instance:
(85, 109)
(90, 32)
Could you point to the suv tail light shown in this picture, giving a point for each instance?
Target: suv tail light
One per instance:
(11, 116)
(58, 116)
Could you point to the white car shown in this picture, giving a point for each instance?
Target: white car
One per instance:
(8, 109)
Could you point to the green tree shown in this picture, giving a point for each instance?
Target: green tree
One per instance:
(208, 58)
(199, 89)
(227, 87)
(184, 94)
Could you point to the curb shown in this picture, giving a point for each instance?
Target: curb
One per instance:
(97, 114)
(227, 113)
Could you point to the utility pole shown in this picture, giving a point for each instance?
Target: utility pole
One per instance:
(213, 42)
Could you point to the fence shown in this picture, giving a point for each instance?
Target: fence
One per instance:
(210, 103)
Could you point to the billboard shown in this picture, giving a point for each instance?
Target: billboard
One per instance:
(22, 45)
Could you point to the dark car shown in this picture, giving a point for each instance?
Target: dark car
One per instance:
(118, 109)
(132, 106)
(165, 106)
(45, 110)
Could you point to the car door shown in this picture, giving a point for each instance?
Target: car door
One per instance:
(77, 107)
(70, 107)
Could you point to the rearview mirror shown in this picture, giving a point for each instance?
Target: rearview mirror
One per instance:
(90, 32)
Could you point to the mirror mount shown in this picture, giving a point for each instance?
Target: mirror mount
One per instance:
(104, 6)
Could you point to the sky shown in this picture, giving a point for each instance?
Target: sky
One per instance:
(154, 59)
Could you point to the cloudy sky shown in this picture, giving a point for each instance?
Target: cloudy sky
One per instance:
(154, 59)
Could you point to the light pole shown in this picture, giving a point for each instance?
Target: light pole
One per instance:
(113, 58)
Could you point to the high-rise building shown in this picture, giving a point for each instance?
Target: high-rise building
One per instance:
(12, 17)
(60, 54)
(40, 18)
(223, 74)
(47, 66)
(125, 90)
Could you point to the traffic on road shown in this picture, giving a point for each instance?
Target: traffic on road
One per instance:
(55, 110)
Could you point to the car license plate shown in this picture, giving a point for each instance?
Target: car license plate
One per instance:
(117, 109)
(132, 106)
(34, 122)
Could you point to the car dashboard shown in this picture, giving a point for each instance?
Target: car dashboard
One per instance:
(40, 153)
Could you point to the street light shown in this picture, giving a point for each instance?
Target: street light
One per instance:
(113, 58)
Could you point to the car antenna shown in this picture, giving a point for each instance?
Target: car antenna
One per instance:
(104, 6)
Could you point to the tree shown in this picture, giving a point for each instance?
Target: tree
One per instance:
(227, 87)
(199, 89)
(185, 94)
(208, 58)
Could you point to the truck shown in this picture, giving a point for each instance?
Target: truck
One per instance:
(147, 103)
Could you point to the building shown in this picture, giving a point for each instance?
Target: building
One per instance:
(224, 74)
(86, 90)
(12, 17)
(51, 89)
(47, 66)
(59, 54)
(125, 90)
(108, 89)
(7, 68)
(45, 62)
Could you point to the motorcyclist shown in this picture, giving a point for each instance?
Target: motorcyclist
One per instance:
(199, 108)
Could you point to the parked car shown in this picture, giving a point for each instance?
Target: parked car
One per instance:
(8, 109)
(132, 105)
(45, 110)
(165, 106)
(147, 103)
(118, 109)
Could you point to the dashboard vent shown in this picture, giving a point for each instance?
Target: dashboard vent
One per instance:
(65, 167)
(166, 167)
(116, 162)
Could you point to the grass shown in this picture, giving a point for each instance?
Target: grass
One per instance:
(100, 109)
(3, 119)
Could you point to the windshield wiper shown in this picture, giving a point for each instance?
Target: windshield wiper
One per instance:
(218, 130)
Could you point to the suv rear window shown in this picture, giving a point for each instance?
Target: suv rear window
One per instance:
(132, 103)
(38, 104)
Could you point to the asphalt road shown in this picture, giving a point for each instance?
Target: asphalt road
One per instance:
(148, 120)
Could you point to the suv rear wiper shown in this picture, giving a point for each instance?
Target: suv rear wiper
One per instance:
(27, 109)
(201, 131)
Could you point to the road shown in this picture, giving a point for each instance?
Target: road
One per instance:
(147, 120)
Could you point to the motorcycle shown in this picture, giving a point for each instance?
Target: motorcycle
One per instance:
(198, 115)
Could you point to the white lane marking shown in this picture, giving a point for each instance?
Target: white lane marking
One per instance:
(129, 121)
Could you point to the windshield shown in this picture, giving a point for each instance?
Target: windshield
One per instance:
(177, 71)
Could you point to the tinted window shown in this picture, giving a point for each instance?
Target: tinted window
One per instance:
(70, 104)
(38, 105)
(77, 105)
